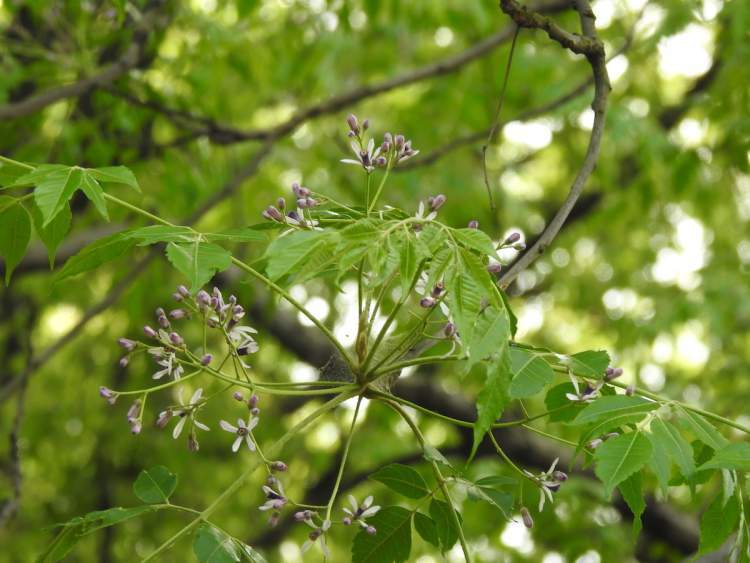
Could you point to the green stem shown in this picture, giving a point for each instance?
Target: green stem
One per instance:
(237, 484)
(371, 206)
(12, 162)
(344, 457)
(438, 476)
(510, 461)
(416, 362)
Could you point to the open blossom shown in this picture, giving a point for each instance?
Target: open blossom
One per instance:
(549, 482)
(368, 158)
(360, 512)
(585, 395)
(243, 432)
(188, 411)
(317, 536)
(242, 339)
(275, 498)
(168, 362)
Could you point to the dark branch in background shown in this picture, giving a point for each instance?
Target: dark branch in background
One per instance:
(224, 134)
(271, 136)
(590, 46)
(661, 522)
(103, 77)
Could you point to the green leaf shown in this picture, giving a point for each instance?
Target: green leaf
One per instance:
(198, 261)
(497, 482)
(54, 233)
(477, 240)
(391, 544)
(667, 437)
(618, 458)
(631, 490)
(33, 177)
(614, 405)
(241, 234)
(287, 254)
(530, 373)
(15, 233)
(591, 363)
(64, 541)
(426, 528)
(493, 397)
(214, 546)
(733, 456)
(717, 522)
(103, 518)
(95, 194)
(556, 399)
(155, 485)
(408, 263)
(162, 233)
(115, 175)
(501, 500)
(445, 526)
(660, 463)
(403, 479)
(701, 429)
(10, 172)
(95, 254)
(433, 454)
(54, 190)
(490, 337)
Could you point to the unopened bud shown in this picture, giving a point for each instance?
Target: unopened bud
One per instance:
(134, 410)
(513, 238)
(302, 515)
(135, 426)
(150, 332)
(193, 444)
(346, 521)
(203, 298)
(281, 203)
(252, 402)
(177, 296)
(427, 302)
(365, 125)
(206, 359)
(528, 521)
(128, 344)
(494, 267)
(107, 393)
(300, 191)
(279, 466)
(176, 339)
(612, 373)
(371, 530)
(124, 361)
(273, 520)
(473, 224)
(449, 330)
(272, 214)
(560, 476)
(352, 122)
(255, 411)
(182, 290)
(595, 443)
(399, 141)
(630, 390)
(163, 418)
(238, 396)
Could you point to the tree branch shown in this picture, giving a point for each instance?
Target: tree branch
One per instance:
(593, 49)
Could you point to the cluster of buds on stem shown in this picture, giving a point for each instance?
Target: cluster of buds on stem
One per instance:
(393, 149)
(612, 373)
(429, 212)
(294, 217)
(548, 482)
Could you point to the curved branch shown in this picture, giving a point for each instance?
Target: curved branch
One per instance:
(593, 49)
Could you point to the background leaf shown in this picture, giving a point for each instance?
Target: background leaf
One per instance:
(199, 261)
(391, 543)
(530, 373)
(155, 485)
(15, 233)
(618, 458)
(403, 479)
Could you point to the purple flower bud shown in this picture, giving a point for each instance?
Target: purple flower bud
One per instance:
(124, 361)
(150, 332)
(176, 339)
(528, 521)
(381, 161)
(206, 359)
(252, 402)
(107, 393)
(473, 224)
(346, 521)
(134, 410)
(449, 330)
(177, 296)
(630, 390)
(238, 396)
(427, 302)
(129, 345)
(203, 298)
(612, 373)
(135, 426)
(371, 530)
(272, 214)
(163, 321)
(385, 147)
(183, 291)
(300, 191)
(281, 203)
(438, 289)
(160, 312)
(388, 138)
(560, 476)
(399, 141)
(351, 121)
(437, 202)
(178, 314)
(512, 238)
(301, 516)
(365, 125)
(255, 411)
(279, 466)
(494, 267)
(273, 520)
(271, 481)
(163, 418)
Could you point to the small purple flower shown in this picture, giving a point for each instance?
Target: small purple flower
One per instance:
(128, 344)
(150, 332)
(360, 512)
(178, 314)
(528, 521)
(108, 394)
(124, 361)
(427, 302)
(473, 224)
(275, 499)
(436, 202)
(494, 268)
(300, 191)
(279, 466)
(612, 373)
(512, 238)
(163, 418)
(243, 432)
(188, 411)
(549, 482)
(449, 330)
(176, 339)
(238, 396)
(273, 214)
(206, 359)
(317, 536)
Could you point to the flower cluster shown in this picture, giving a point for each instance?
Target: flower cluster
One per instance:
(359, 512)
(429, 212)
(549, 482)
(295, 217)
(393, 150)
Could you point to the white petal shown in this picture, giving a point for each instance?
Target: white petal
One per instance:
(200, 425)
(324, 548)
(250, 443)
(305, 546)
(552, 467)
(178, 427)
(228, 427)
(252, 423)
(350, 161)
(353, 502)
(326, 525)
(349, 512)
(196, 396)
(368, 502)
(355, 147)
(240, 423)
(370, 145)
(372, 511)
(236, 444)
